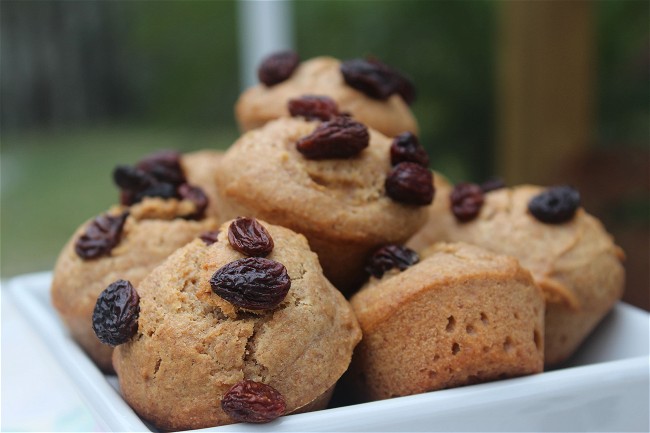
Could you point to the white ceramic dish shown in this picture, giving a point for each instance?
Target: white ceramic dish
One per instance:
(605, 387)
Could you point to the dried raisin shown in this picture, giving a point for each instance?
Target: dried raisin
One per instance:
(115, 317)
(278, 67)
(389, 257)
(196, 195)
(249, 237)
(313, 107)
(256, 402)
(253, 283)
(377, 80)
(410, 183)
(555, 205)
(101, 236)
(210, 237)
(406, 148)
(164, 165)
(466, 201)
(339, 138)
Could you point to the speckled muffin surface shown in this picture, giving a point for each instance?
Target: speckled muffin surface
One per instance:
(576, 263)
(461, 315)
(200, 168)
(322, 76)
(192, 345)
(340, 205)
(151, 232)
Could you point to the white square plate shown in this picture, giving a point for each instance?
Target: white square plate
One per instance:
(605, 387)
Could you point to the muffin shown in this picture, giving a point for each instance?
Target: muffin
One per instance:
(200, 168)
(379, 104)
(127, 242)
(214, 327)
(432, 230)
(461, 315)
(293, 172)
(573, 259)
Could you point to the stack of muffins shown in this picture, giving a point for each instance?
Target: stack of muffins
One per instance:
(216, 289)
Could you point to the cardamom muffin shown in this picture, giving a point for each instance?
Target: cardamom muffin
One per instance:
(127, 242)
(570, 255)
(372, 92)
(340, 184)
(242, 328)
(460, 316)
(200, 168)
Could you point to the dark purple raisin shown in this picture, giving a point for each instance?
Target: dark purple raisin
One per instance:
(313, 107)
(556, 205)
(133, 179)
(196, 195)
(406, 148)
(376, 79)
(253, 283)
(256, 402)
(161, 190)
(249, 237)
(278, 67)
(210, 237)
(164, 166)
(339, 138)
(115, 317)
(101, 236)
(466, 201)
(492, 184)
(389, 257)
(410, 183)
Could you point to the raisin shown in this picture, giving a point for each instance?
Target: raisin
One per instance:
(492, 184)
(410, 183)
(162, 190)
(115, 317)
(196, 195)
(406, 148)
(131, 178)
(466, 201)
(249, 237)
(210, 237)
(253, 283)
(389, 257)
(165, 166)
(313, 107)
(339, 138)
(278, 67)
(376, 79)
(101, 236)
(555, 205)
(250, 401)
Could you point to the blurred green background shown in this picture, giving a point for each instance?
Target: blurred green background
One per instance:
(88, 85)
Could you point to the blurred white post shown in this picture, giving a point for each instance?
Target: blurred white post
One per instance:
(265, 26)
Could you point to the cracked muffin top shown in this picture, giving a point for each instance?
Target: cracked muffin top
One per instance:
(323, 76)
(200, 333)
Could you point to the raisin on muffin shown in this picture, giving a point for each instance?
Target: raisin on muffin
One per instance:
(244, 328)
(333, 181)
(568, 252)
(371, 91)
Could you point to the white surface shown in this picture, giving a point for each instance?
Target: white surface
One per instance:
(606, 389)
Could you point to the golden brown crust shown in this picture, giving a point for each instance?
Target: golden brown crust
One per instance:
(576, 263)
(340, 205)
(77, 283)
(461, 316)
(192, 346)
(321, 76)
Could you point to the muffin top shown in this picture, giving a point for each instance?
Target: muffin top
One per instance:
(322, 76)
(193, 344)
(345, 197)
(575, 262)
(200, 168)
